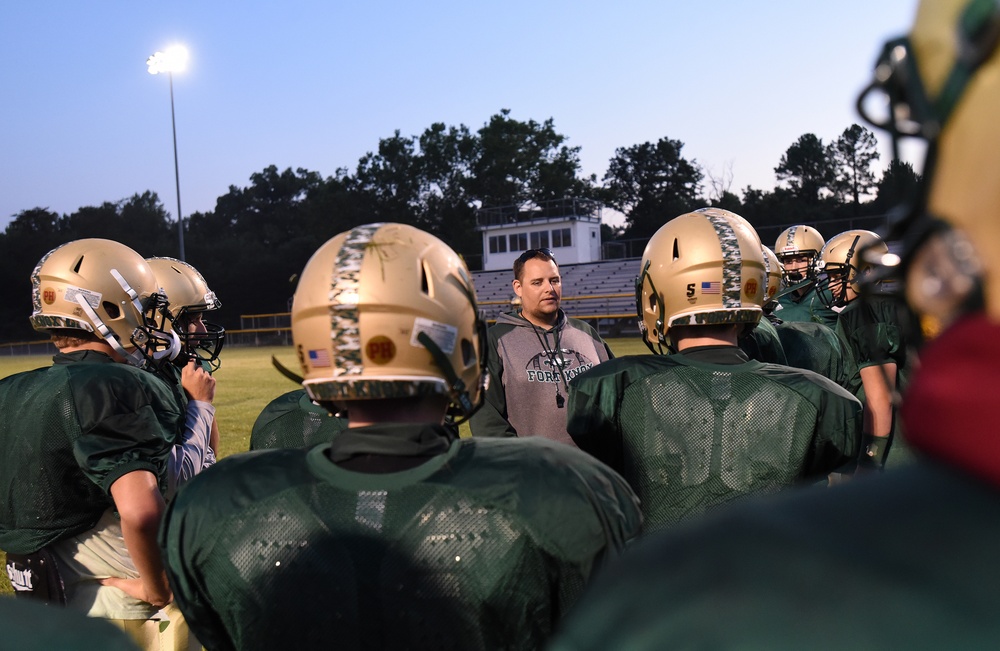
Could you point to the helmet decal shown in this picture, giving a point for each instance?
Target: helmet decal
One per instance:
(790, 242)
(345, 331)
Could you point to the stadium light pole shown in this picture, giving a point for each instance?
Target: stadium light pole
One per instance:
(173, 59)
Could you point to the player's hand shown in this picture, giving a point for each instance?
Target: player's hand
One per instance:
(135, 588)
(197, 383)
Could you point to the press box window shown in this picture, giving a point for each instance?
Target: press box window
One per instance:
(540, 240)
(562, 237)
(498, 244)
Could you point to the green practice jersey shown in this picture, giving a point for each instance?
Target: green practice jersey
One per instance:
(292, 420)
(807, 307)
(68, 431)
(904, 560)
(482, 546)
(697, 428)
(815, 347)
(871, 333)
(763, 344)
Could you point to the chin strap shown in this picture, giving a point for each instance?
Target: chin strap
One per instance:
(457, 390)
(281, 368)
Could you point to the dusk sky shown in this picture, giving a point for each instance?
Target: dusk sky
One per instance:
(316, 84)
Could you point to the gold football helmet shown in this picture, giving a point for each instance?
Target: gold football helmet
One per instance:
(103, 287)
(796, 241)
(189, 295)
(389, 311)
(842, 267)
(700, 268)
(775, 272)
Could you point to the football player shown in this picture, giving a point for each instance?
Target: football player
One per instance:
(797, 248)
(705, 424)
(188, 298)
(807, 344)
(870, 332)
(400, 534)
(86, 443)
(905, 559)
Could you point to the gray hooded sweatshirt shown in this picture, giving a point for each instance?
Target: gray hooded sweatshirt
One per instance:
(530, 369)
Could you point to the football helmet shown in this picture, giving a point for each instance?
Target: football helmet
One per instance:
(103, 287)
(775, 272)
(941, 84)
(700, 268)
(188, 295)
(796, 241)
(389, 311)
(841, 266)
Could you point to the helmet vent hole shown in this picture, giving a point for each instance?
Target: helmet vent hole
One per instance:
(677, 252)
(111, 309)
(468, 352)
(79, 263)
(424, 279)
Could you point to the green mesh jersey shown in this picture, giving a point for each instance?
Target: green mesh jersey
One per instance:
(905, 560)
(292, 420)
(68, 431)
(483, 546)
(763, 344)
(808, 307)
(871, 333)
(815, 347)
(688, 435)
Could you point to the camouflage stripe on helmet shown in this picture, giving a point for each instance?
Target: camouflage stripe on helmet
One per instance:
(732, 260)
(374, 389)
(791, 238)
(345, 329)
(36, 282)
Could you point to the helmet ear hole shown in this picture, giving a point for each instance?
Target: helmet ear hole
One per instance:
(468, 352)
(111, 309)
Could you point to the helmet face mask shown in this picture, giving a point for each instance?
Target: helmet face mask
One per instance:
(105, 288)
(387, 311)
(189, 297)
(701, 268)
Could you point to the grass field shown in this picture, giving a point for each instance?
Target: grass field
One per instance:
(246, 383)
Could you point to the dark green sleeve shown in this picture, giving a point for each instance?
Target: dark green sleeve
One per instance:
(491, 418)
(127, 423)
(838, 429)
(871, 332)
(592, 412)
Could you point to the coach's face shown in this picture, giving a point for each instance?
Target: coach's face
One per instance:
(540, 289)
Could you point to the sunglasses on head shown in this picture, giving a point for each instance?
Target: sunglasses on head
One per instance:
(531, 253)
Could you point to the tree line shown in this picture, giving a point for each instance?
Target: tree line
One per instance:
(258, 237)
